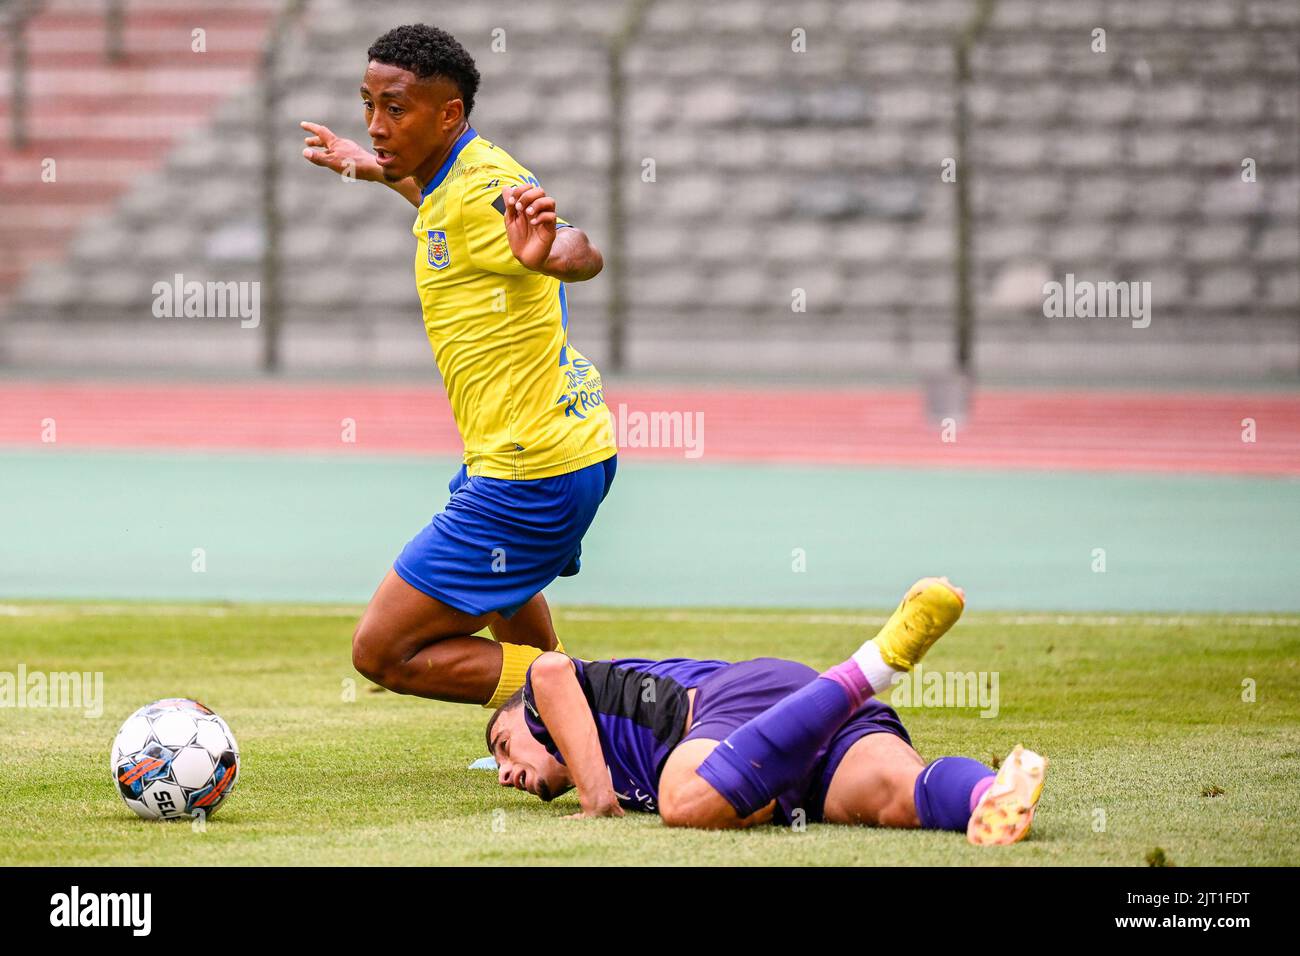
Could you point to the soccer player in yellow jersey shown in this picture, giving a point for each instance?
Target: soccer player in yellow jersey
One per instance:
(491, 260)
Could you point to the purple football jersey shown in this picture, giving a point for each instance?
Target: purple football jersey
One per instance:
(640, 710)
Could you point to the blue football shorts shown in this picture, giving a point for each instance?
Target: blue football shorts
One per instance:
(499, 542)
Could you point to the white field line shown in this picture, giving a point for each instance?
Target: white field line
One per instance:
(853, 620)
(654, 616)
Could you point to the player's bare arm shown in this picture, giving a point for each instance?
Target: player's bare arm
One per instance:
(530, 217)
(347, 157)
(564, 710)
(538, 243)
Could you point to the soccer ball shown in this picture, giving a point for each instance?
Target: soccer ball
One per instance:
(174, 758)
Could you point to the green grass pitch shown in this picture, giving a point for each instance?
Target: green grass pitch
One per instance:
(1145, 720)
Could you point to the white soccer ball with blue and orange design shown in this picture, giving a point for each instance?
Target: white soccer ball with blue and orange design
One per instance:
(174, 759)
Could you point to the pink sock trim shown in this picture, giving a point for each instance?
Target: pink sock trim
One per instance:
(979, 790)
(849, 676)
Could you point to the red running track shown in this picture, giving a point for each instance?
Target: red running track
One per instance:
(1011, 429)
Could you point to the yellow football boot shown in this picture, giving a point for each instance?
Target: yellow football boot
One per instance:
(1005, 811)
(929, 608)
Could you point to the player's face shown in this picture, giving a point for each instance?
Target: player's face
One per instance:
(412, 122)
(524, 763)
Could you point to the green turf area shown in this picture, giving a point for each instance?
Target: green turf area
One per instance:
(1141, 717)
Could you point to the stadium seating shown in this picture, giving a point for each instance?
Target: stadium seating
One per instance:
(773, 171)
(106, 125)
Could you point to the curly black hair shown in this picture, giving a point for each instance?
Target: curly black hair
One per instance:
(427, 51)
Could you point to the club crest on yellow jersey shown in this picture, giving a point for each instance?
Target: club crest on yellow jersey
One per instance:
(439, 254)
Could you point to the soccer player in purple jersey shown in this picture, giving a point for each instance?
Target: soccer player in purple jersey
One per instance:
(716, 745)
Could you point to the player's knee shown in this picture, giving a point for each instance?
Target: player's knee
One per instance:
(679, 813)
(898, 813)
(693, 803)
(369, 657)
(899, 808)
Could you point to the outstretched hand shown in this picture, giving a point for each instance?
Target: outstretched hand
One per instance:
(344, 156)
(530, 224)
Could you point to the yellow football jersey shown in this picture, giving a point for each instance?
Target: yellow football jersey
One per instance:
(527, 404)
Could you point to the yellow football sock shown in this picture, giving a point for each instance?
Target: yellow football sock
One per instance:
(559, 647)
(515, 661)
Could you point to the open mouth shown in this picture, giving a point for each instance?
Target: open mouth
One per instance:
(384, 157)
